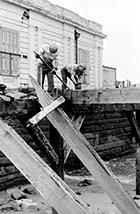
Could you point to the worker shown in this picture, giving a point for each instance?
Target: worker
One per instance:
(74, 73)
(50, 57)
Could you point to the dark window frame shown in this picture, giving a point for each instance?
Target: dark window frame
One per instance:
(9, 52)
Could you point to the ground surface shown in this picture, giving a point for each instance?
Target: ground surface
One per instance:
(26, 200)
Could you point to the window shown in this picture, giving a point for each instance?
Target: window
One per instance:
(84, 59)
(9, 52)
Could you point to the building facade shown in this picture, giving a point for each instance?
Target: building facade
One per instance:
(27, 24)
(109, 77)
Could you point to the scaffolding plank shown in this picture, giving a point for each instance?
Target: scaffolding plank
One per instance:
(39, 174)
(88, 155)
(45, 111)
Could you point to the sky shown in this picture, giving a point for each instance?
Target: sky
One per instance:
(120, 21)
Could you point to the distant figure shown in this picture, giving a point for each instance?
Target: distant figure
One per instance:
(49, 55)
(74, 73)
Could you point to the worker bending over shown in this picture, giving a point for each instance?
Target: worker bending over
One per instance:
(74, 73)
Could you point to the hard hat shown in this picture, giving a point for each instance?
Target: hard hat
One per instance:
(53, 47)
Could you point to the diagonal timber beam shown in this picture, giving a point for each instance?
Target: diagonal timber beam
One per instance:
(88, 155)
(39, 174)
(134, 125)
(77, 123)
(43, 143)
(45, 111)
(136, 130)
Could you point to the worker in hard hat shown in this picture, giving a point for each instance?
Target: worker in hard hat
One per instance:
(49, 54)
(74, 73)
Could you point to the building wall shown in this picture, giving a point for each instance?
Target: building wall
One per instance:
(10, 18)
(109, 77)
(46, 23)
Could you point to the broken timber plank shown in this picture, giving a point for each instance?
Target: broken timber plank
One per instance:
(43, 143)
(43, 113)
(77, 123)
(39, 174)
(88, 155)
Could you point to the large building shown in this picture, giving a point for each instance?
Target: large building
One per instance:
(27, 24)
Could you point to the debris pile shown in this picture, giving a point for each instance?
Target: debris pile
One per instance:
(19, 199)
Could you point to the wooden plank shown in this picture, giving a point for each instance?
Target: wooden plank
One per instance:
(45, 111)
(82, 108)
(108, 146)
(134, 125)
(138, 171)
(88, 156)
(39, 174)
(77, 123)
(56, 142)
(117, 95)
(136, 130)
(43, 144)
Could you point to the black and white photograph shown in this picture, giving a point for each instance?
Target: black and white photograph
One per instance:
(69, 107)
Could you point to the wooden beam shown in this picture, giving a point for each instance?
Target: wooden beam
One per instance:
(136, 130)
(134, 125)
(56, 142)
(45, 111)
(116, 95)
(138, 171)
(104, 147)
(106, 107)
(77, 123)
(43, 143)
(88, 156)
(39, 174)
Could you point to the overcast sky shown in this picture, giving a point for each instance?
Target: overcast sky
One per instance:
(121, 24)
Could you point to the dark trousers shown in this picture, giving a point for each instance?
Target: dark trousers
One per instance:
(41, 78)
(65, 74)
